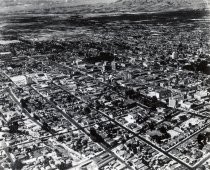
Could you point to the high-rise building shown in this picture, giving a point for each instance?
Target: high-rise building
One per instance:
(113, 64)
(172, 102)
(127, 75)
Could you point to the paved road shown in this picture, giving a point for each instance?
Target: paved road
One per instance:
(136, 135)
(67, 117)
(15, 99)
(190, 136)
(130, 131)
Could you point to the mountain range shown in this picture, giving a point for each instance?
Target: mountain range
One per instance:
(13, 6)
(159, 5)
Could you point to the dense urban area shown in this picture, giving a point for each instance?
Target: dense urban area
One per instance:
(113, 94)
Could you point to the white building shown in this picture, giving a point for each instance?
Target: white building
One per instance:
(172, 102)
(200, 94)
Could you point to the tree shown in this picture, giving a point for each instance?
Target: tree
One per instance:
(60, 139)
(95, 136)
(62, 166)
(97, 104)
(13, 128)
(202, 66)
(87, 110)
(23, 103)
(46, 127)
(163, 129)
(36, 117)
(18, 165)
(183, 118)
